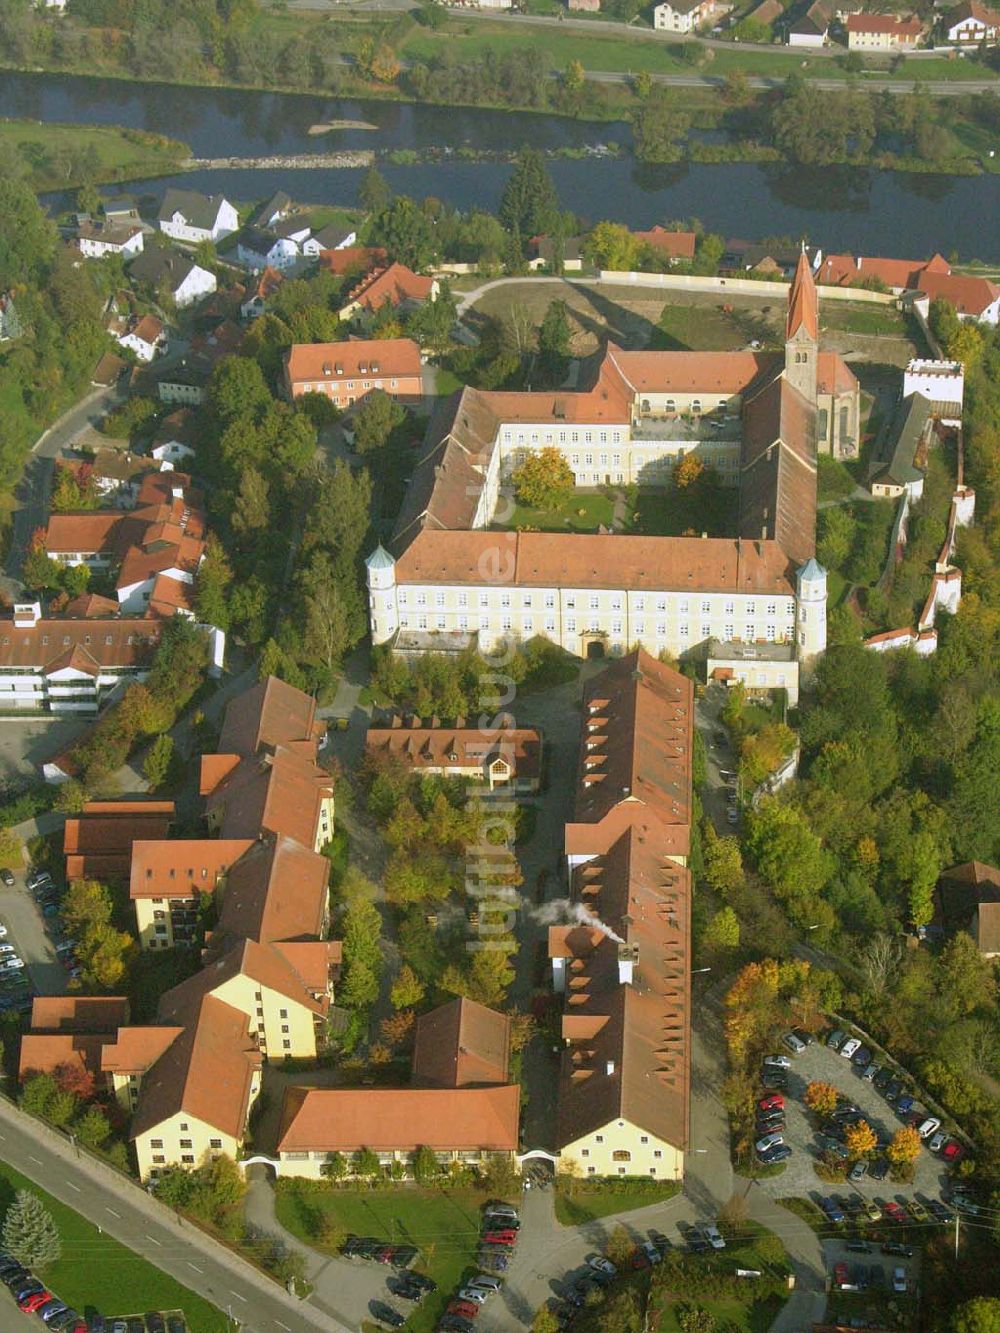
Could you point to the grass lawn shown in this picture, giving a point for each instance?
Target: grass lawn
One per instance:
(446, 381)
(705, 327)
(116, 153)
(97, 1274)
(443, 1224)
(836, 586)
(697, 509)
(873, 320)
(835, 480)
(581, 511)
(587, 1203)
(752, 1248)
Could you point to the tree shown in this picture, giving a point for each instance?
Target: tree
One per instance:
(657, 125)
(543, 479)
(104, 954)
(687, 470)
(407, 990)
(545, 1321)
(29, 1232)
(980, 1315)
(529, 203)
(554, 342)
(723, 931)
(158, 759)
(375, 420)
(252, 510)
(426, 1166)
(860, 1139)
(361, 931)
(86, 904)
(612, 246)
(92, 1129)
(822, 1098)
(904, 1146)
(374, 194)
(723, 863)
(335, 1166)
(366, 1164)
(406, 232)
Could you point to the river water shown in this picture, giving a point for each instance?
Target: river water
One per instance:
(840, 208)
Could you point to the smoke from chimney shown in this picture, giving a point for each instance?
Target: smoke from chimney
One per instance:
(562, 912)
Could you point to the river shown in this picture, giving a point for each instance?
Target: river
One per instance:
(839, 208)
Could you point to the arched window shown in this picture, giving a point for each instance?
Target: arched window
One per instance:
(621, 1155)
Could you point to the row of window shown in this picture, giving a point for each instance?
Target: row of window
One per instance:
(562, 437)
(327, 386)
(594, 601)
(616, 628)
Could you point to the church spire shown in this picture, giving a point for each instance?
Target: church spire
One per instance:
(803, 303)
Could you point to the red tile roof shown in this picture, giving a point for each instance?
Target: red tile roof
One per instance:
(135, 1049)
(183, 867)
(969, 296)
(51, 645)
(394, 284)
(269, 714)
(44, 1053)
(277, 890)
(461, 1044)
(351, 259)
(803, 303)
(78, 1013)
(444, 747)
(879, 23)
(382, 1119)
(384, 357)
(673, 244)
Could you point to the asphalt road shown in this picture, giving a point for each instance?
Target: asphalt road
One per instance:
(126, 1213)
(32, 493)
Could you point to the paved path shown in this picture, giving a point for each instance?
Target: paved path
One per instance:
(126, 1212)
(807, 1303)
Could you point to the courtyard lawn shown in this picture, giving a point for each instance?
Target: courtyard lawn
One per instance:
(578, 1202)
(692, 511)
(97, 1274)
(752, 1248)
(705, 327)
(444, 1224)
(874, 320)
(580, 511)
(835, 480)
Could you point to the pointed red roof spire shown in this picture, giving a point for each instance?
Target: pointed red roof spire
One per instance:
(803, 303)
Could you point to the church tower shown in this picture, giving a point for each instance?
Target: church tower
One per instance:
(802, 331)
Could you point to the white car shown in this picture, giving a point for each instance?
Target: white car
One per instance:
(937, 1142)
(12, 962)
(713, 1237)
(795, 1044)
(733, 815)
(3, 932)
(930, 1126)
(603, 1265)
(486, 1282)
(7, 949)
(777, 1062)
(475, 1294)
(849, 1047)
(899, 1280)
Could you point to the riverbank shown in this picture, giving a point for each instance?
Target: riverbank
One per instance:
(62, 157)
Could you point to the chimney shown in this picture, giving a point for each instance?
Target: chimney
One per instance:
(628, 957)
(27, 614)
(857, 263)
(609, 1068)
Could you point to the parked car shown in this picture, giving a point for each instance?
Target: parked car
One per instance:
(422, 1281)
(849, 1047)
(858, 1247)
(918, 1212)
(899, 1280)
(385, 1314)
(858, 1172)
(501, 1214)
(402, 1255)
(927, 1128)
(772, 1079)
(155, 1323)
(772, 1101)
(870, 1073)
(602, 1265)
(772, 1125)
(879, 1168)
(894, 1212)
(903, 1251)
(768, 1142)
(836, 1039)
(893, 1090)
(500, 1237)
(732, 814)
(937, 1142)
(832, 1209)
(844, 1115)
(883, 1078)
(939, 1212)
(486, 1283)
(904, 1105)
(841, 1275)
(7, 877)
(861, 1058)
(714, 1237)
(476, 1294)
(777, 1154)
(794, 1043)
(777, 1062)
(405, 1290)
(952, 1151)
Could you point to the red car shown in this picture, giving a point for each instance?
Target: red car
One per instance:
(841, 1275)
(465, 1309)
(894, 1212)
(30, 1303)
(500, 1237)
(952, 1151)
(772, 1102)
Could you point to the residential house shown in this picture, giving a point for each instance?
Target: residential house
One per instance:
(971, 24)
(259, 292)
(968, 898)
(882, 32)
(622, 964)
(500, 756)
(674, 246)
(184, 384)
(186, 215)
(168, 880)
(896, 275)
(682, 15)
(108, 371)
(97, 843)
(902, 458)
(976, 300)
(460, 1103)
(273, 210)
(120, 210)
(812, 28)
(258, 249)
(347, 372)
(330, 237)
(10, 324)
(176, 275)
(96, 239)
(145, 336)
(396, 284)
(61, 665)
(173, 442)
(549, 252)
(764, 260)
(941, 382)
(767, 12)
(68, 1032)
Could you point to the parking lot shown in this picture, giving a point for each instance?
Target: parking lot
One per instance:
(872, 1278)
(820, 1063)
(26, 931)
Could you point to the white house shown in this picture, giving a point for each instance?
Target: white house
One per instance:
(813, 28)
(682, 15)
(145, 336)
(329, 238)
(189, 216)
(183, 279)
(97, 240)
(259, 249)
(971, 23)
(941, 382)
